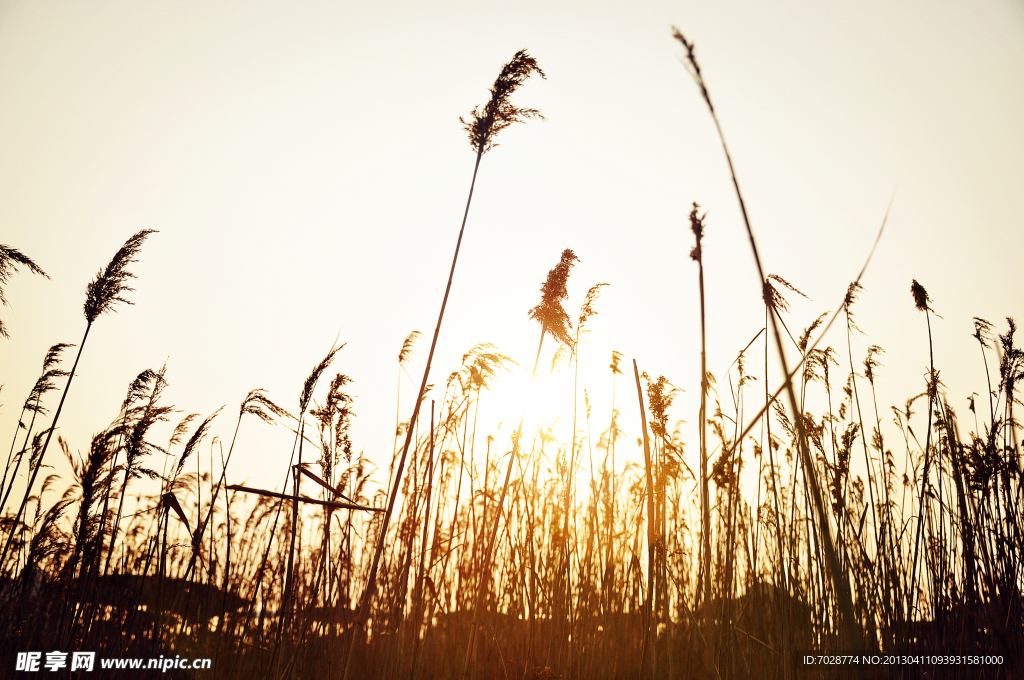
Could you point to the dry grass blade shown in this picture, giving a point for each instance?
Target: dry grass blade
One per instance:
(322, 483)
(303, 499)
(171, 501)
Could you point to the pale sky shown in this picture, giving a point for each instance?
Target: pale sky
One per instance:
(306, 169)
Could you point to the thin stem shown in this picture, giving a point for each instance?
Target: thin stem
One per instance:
(46, 445)
(364, 605)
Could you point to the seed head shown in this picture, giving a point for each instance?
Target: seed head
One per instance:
(499, 113)
(553, 291)
(697, 227)
(982, 331)
(406, 352)
(111, 283)
(773, 297)
(616, 358)
(587, 310)
(307, 387)
(921, 298)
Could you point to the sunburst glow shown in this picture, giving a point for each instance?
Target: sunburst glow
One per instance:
(540, 399)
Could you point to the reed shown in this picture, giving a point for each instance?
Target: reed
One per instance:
(853, 636)
(34, 405)
(923, 303)
(101, 295)
(482, 127)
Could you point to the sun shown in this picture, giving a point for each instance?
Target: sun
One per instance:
(540, 400)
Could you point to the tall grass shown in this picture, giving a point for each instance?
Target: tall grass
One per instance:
(101, 295)
(493, 558)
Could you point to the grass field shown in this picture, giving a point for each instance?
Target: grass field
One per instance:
(523, 555)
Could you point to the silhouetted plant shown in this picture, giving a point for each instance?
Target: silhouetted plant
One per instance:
(482, 128)
(853, 635)
(550, 311)
(101, 295)
(922, 302)
(10, 258)
(34, 405)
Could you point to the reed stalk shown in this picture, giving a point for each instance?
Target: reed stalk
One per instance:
(649, 647)
(697, 255)
(923, 303)
(851, 630)
(482, 128)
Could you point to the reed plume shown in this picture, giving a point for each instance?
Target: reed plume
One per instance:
(499, 112)
(404, 355)
(550, 311)
(10, 258)
(304, 397)
(150, 386)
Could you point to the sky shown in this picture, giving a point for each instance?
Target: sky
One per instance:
(306, 171)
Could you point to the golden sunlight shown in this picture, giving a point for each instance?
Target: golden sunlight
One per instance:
(540, 399)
